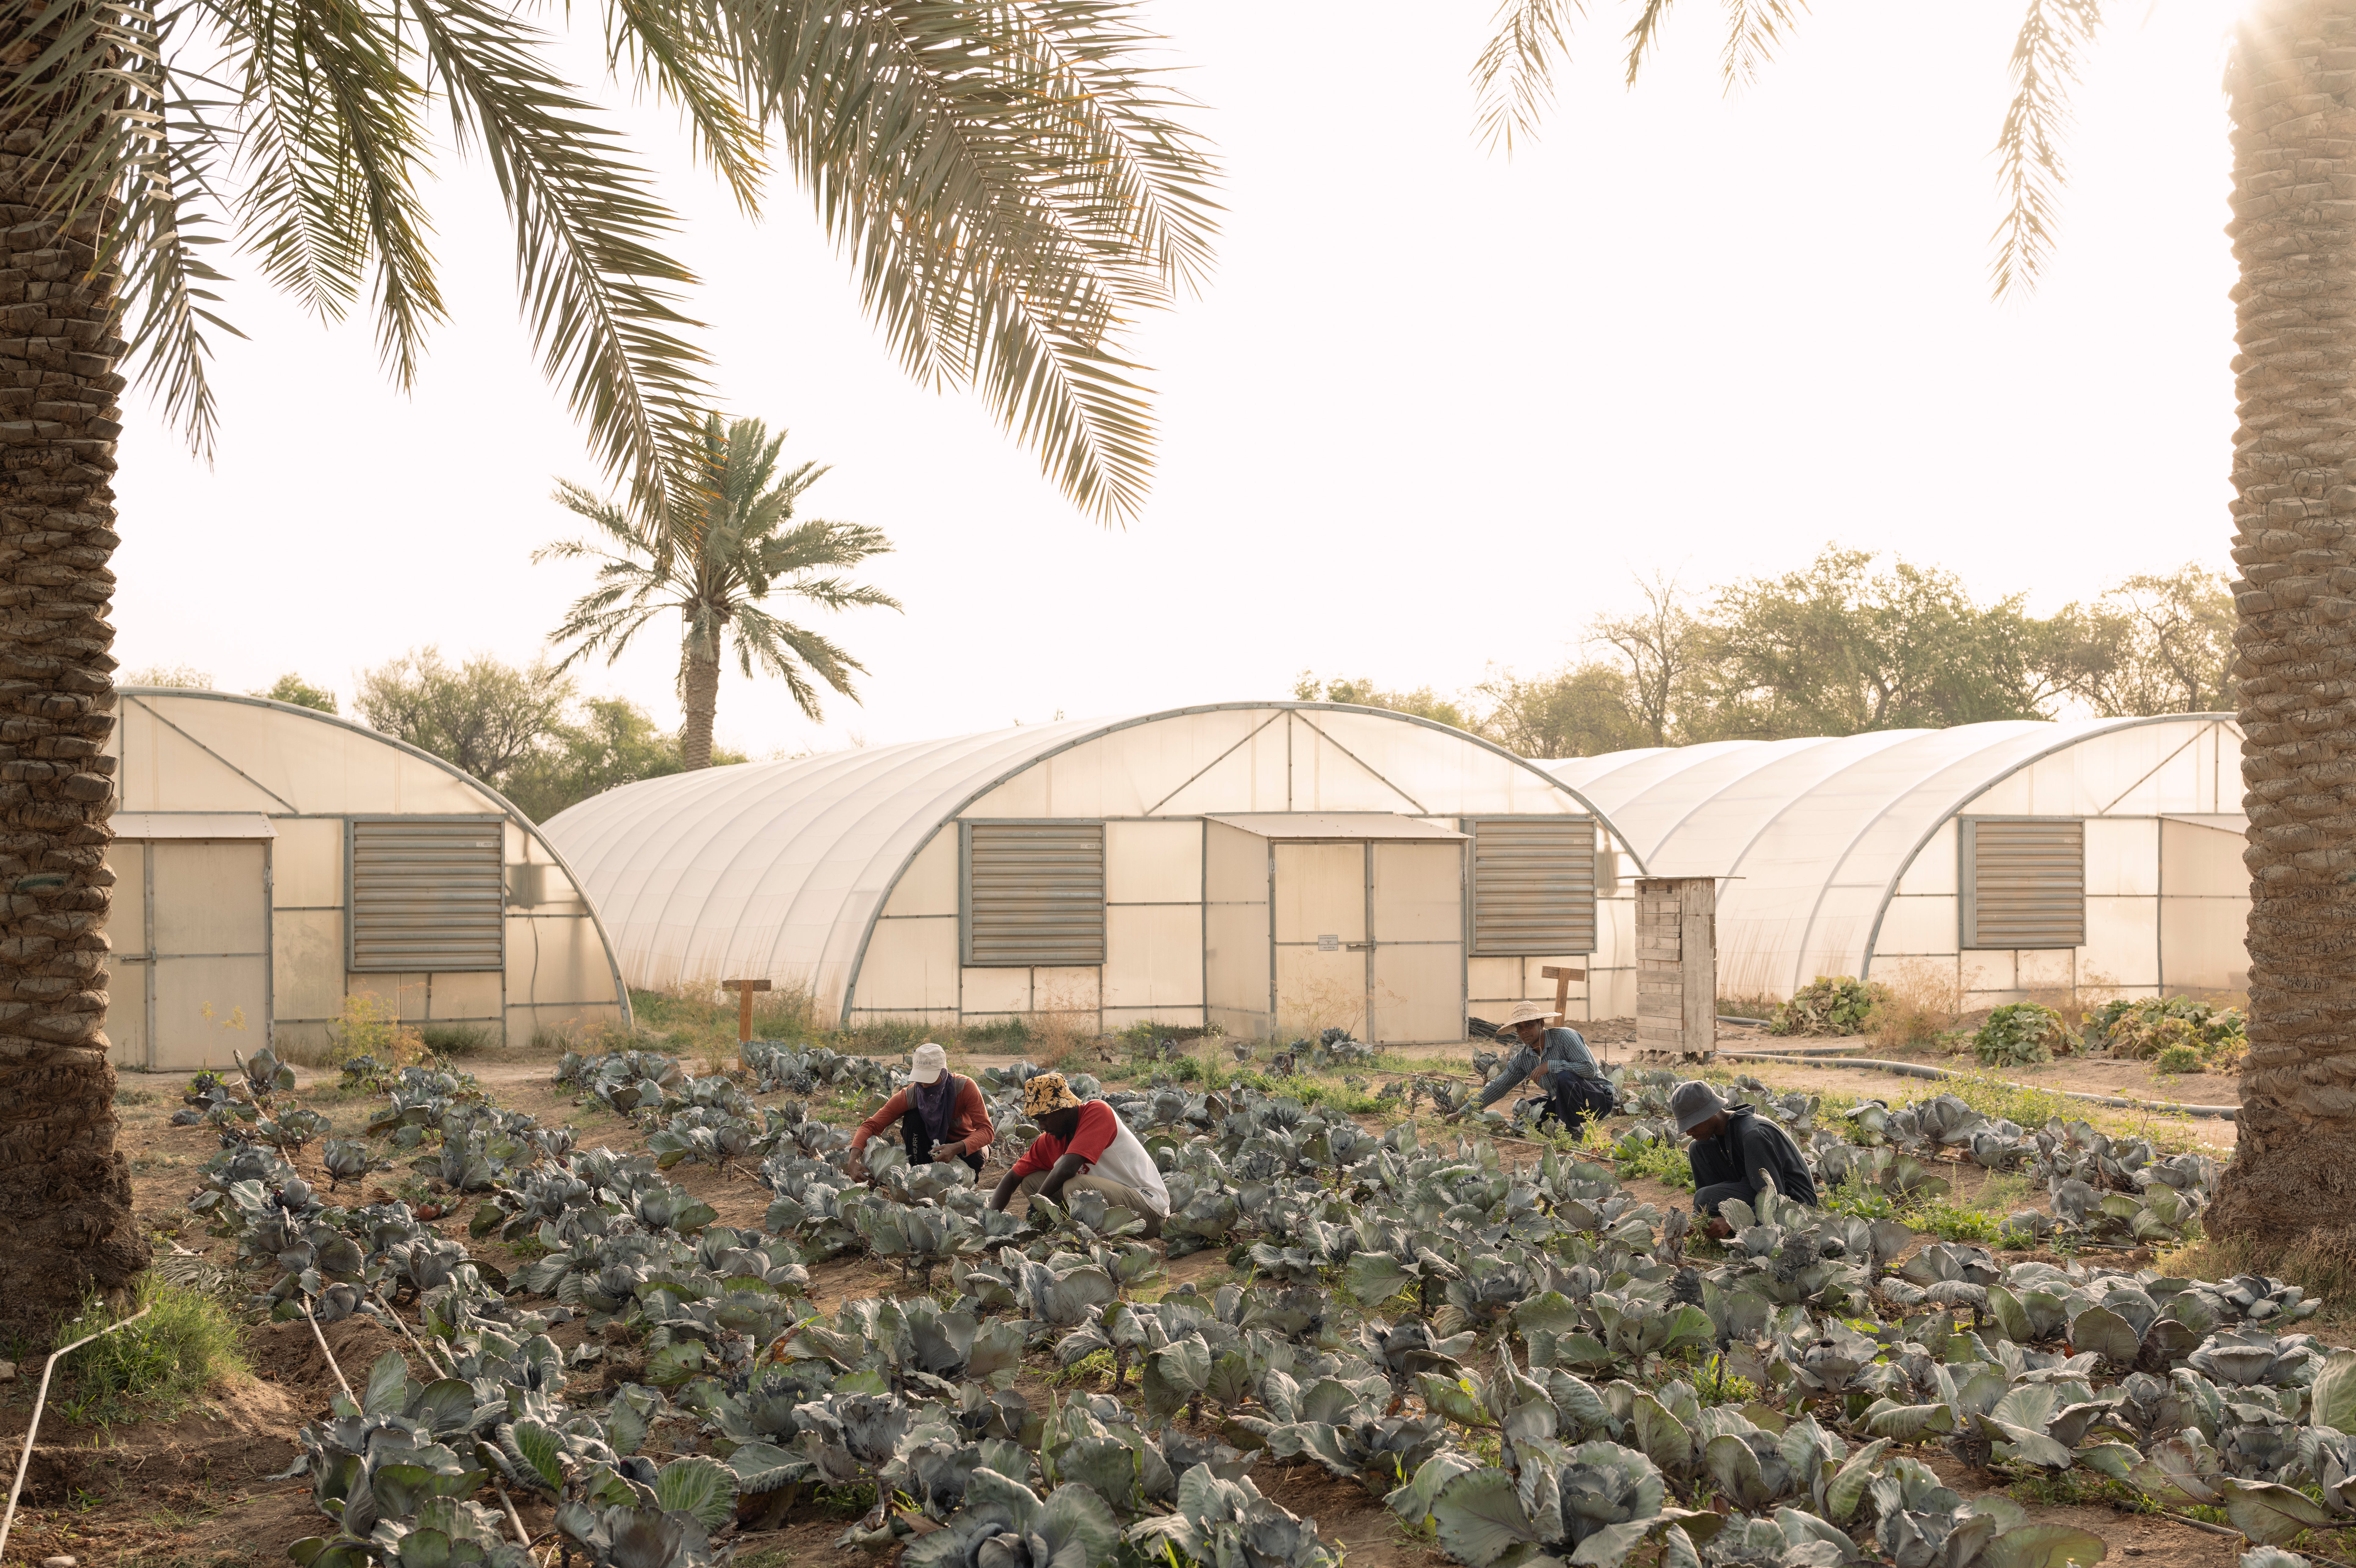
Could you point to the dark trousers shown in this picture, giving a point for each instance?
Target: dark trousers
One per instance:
(1572, 1099)
(918, 1142)
(1718, 1176)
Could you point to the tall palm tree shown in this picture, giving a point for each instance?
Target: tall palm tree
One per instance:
(2291, 1190)
(731, 543)
(1015, 184)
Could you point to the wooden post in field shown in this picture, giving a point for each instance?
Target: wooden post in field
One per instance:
(1676, 965)
(1562, 978)
(744, 989)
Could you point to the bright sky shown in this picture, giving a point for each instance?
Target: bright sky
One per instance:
(1433, 410)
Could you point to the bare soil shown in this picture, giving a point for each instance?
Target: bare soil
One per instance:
(193, 1491)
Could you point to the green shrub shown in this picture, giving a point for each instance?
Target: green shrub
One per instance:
(2151, 1027)
(453, 1039)
(2020, 1033)
(1837, 1005)
(2179, 1059)
(157, 1368)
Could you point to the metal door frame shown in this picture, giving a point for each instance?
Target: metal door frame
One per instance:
(149, 956)
(1373, 939)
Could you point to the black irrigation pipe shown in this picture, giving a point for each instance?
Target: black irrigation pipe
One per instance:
(1917, 1070)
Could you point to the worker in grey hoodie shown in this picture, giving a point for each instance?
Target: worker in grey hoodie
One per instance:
(1735, 1153)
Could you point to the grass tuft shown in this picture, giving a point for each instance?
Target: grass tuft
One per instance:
(156, 1369)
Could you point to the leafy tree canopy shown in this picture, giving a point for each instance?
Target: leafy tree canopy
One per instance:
(1845, 645)
(526, 732)
(292, 688)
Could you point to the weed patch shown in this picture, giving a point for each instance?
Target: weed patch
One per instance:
(156, 1369)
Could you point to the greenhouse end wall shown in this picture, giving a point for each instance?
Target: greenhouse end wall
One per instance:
(1846, 854)
(844, 874)
(203, 773)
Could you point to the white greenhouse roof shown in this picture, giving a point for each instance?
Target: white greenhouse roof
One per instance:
(1819, 830)
(779, 870)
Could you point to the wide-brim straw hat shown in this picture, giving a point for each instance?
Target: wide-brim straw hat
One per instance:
(1046, 1092)
(1527, 1013)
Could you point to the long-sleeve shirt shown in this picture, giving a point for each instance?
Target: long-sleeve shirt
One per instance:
(1747, 1149)
(969, 1129)
(1562, 1051)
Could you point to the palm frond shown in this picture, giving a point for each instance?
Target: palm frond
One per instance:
(599, 295)
(2054, 36)
(125, 141)
(1514, 77)
(1643, 33)
(673, 49)
(333, 140)
(1015, 188)
(785, 650)
(1753, 28)
(617, 524)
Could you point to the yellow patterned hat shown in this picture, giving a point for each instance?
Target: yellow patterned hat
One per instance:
(1046, 1092)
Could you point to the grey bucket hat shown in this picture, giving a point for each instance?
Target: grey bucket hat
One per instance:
(1693, 1102)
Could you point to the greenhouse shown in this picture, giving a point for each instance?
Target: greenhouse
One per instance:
(270, 861)
(2005, 861)
(1267, 868)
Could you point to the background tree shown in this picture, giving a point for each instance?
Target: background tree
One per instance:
(483, 716)
(1581, 710)
(1839, 649)
(610, 742)
(733, 544)
(292, 688)
(1660, 644)
(1423, 702)
(177, 676)
(2157, 645)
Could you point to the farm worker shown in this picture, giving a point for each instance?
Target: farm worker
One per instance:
(1555, 1062)
(941, 1115)
(1734, 1153)
(1083, 1146)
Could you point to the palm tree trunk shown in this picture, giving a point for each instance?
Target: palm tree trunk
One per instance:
(699, 686)
(2292, 1186)
(65, 1189)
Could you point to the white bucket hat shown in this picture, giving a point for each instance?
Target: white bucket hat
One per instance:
(1527, 1013)
(928, 1063)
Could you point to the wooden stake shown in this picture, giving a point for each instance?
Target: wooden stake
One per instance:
(744, 989)
(1562, 979)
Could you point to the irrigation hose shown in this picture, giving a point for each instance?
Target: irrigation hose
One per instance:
(33, 1427)
(1917, 1069)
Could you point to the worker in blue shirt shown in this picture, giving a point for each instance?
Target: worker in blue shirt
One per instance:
(1555, 1062)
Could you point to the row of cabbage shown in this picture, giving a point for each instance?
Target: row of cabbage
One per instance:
(1529, 1363)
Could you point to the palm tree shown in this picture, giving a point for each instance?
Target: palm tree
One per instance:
(731, 543)
(1015, 186)
(2290, 1192)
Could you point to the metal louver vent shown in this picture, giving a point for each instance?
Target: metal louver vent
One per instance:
(1034, 893)
(1532, 886)
(427, 894)
(2024, 883)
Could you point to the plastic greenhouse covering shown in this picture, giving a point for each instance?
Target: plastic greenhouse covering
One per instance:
(1816, 835)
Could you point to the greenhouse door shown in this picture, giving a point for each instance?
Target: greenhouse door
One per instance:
(190, 929)
(1369, 934)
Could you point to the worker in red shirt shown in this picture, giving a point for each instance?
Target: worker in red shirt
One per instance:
(941, 1116)
(1083, 1146)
